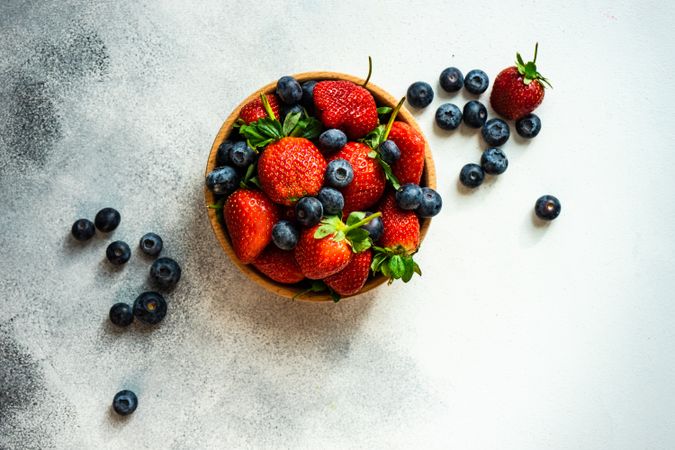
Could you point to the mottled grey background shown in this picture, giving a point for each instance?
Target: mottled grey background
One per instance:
(517, 337)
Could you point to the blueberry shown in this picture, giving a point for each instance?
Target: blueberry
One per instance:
(331, 200)
(289, 90)
(547, 207)
(528, 126)
(292, 109)
(451, 79)
(121, 314)
(308, 211)
(107, 219)
(420, 94)
(431, 203)
(409, 196)
(165, 272)
(151, 244)
(285, 235)
(242, 155)
(339, 173)
(222, 180)
(83, 229)
(118, 252)
(448, 116)
(496, 132)
(125, 402)
(471, 175)
(375, 227)
(308, 93)
(332, 140)
(223, 154)
(475, 114)
(150, 307)
(389, 152)
(476, 81)
(493, 161)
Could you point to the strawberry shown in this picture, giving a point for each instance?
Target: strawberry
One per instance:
(399, 241)
(279, 265)
(249, 216)
(255, 110)
(326, 249)
(351, 279)
(519, 89)
(408, 169)
(290, 169)
(369, 179)
(347, 106)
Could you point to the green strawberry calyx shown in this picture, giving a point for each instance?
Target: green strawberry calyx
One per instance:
(380, 134)
(529, 70)
(356, 237)
(318, 286)
(269, 129)
(394, 263)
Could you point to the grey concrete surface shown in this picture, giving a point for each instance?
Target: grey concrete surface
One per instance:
(518, 336)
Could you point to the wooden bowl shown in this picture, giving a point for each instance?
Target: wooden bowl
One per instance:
(382, 98)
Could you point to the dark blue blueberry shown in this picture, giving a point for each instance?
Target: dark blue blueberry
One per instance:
(308, 94)
(222, 180)
(471, 175)
(83, 229)
(292, 109)
(496, 132)
(118, 252)
(223, 154)
(375, 227)
(289, 90)
(339, 173)
(475, 114)
(547, 207)
(451, 79)
(448, 116)
(125, 402)
(431, 203)
(121, 314)
(332, 140)
(476, 81)
(420, 94)
(242, 155)
(528, 126)
(389, 152)
(107, 219)
(331, 200)
(493, 161)
(165, 272)
(150, 307)
(308, 211)
(409, 196)
(285, 235)
(151, 244)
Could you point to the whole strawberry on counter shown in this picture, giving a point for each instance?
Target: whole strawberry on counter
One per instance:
(518, 90)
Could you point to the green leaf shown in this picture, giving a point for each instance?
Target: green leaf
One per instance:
(334, 295)
(374, 138)
(389, 174)
(249, 172)
(318, 286)
(417, 269)
(372, 154)
(409, 269)
(384, 110)
(290, 122)
(323, 231)
(354, 217)
(386, 271)
(339, 236)
(378, 259)
(312, 129)
(397, 267)
(256, 182)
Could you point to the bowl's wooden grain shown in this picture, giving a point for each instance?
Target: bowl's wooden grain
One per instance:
(382, 98)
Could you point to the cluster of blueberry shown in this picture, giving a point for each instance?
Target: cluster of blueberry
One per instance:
(149, 307)
(495, 132)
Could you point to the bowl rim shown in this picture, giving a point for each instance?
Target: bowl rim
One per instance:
(285, 290)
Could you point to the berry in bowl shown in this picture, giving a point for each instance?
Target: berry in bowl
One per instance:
(321, 186)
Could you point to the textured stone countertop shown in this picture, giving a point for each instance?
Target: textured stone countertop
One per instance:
(518, 336)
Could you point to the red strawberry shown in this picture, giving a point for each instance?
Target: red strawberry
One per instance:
(401, 227)
(321, 258)
(408, 169)
(369, 181)
(249, 216)
(290, 169)
(347, 106)
(254, 110)
(351, 279)
(518, 90)
(279, 265)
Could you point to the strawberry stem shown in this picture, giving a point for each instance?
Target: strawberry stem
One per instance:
(267, 106)
(370, 71)
(536, 47)
(391, 119)
(362, 222)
